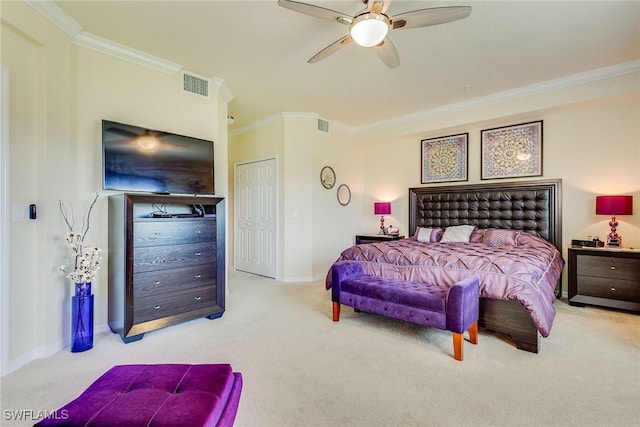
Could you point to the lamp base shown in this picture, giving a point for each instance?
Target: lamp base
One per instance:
(616, 243)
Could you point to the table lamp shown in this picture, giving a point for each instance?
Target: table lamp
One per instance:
(614, 205)
(382, 208)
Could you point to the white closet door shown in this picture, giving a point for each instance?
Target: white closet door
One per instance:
(256, 220)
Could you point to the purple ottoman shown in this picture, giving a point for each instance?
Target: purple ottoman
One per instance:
(454, 308)
(156, 395)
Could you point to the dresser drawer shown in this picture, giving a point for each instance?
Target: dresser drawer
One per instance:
(626, 290)
(156, 307)
(164, 232)
(166, 257)
(608, 267)
(162, 282)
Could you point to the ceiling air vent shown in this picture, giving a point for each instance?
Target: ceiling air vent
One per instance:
(323, 125)
(194, 84)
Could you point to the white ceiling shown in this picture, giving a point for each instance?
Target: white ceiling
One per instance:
(261, 50)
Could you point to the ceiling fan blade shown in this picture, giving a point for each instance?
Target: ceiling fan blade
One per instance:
(331, 49)
(430, 16)
(388, 53)
(316, 11)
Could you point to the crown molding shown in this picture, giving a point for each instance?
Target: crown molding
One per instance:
(525, 91)
(100, 44)
(508, 95)
(57, 16)
(273, 119)
(299, 116)
(223, 89)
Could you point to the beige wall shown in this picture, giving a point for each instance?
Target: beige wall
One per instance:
(59, 93)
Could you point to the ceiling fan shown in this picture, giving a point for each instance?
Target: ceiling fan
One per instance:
(369, 28)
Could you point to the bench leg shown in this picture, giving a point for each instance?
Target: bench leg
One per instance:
(458, 340)
(473, 333)
(336, 311)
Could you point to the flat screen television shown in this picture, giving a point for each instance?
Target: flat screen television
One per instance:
(148, 160)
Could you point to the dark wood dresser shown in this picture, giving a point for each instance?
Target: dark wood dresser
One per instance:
(605, 277)
(164, 270)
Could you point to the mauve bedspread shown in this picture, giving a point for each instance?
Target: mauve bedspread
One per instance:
(527, 273)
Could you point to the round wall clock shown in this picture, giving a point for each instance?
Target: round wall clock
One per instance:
(344, 194)
(327, 177)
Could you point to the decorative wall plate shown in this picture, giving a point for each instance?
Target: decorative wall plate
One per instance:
(344, 194)
(327, 177)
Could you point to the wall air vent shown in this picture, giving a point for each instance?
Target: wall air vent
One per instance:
(323, 125)
(194, 84)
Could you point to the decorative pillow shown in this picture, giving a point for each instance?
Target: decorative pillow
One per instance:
(428, 235)
(477, 235)
(526, 239)
(495, 237)
(457, 233)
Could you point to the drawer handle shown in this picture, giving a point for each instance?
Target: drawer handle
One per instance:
(157, 307)
(198, 276)
(198, 298)
(198, 253)
(157, 282)
(198, 232)
(613, 267)
(613, 289)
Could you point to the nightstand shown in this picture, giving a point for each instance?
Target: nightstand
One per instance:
(605, 277)
(370, 238)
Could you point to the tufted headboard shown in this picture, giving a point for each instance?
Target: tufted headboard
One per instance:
(532, 206)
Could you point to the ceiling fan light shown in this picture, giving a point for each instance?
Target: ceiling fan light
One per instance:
(369, 30)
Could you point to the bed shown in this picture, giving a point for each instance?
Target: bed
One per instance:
(515, 248)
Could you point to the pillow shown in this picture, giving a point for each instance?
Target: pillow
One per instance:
(457, 233)
(477, 235)
(495, 237)
(428, 235)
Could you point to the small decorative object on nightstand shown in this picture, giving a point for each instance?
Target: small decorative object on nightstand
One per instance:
(371, 238)
(382, 209)
(606, 277)
(614, 205)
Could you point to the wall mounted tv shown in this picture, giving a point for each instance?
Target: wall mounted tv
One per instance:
(139, 159)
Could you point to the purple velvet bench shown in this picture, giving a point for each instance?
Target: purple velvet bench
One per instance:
(454, 308)
(156, 395)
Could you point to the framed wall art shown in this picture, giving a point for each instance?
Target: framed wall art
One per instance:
(327, 177)
(512, 151)
(445, 158)
(344, 194)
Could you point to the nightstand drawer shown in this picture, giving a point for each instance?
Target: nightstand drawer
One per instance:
(625, 290)
(608, 267)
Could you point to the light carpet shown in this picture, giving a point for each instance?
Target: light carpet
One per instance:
(302, 369)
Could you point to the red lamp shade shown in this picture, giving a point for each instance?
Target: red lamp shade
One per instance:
(614, 205)
(382, 208)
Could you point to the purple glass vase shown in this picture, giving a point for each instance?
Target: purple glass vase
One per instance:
(82, 318)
